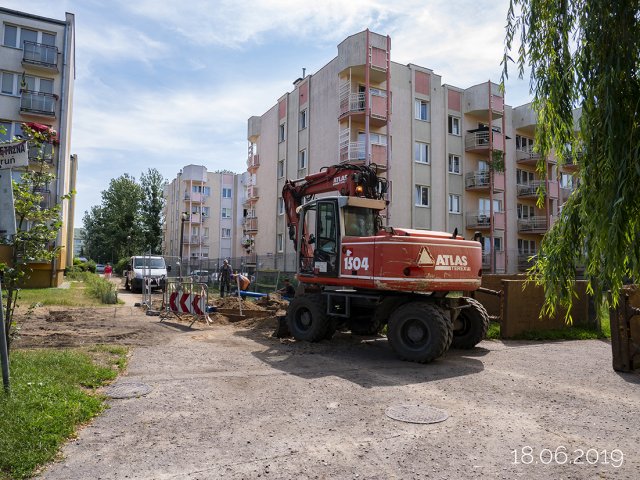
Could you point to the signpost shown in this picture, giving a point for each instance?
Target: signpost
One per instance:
(12, 155)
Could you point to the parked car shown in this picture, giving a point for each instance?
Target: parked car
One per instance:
(201, 276)
(99, 268)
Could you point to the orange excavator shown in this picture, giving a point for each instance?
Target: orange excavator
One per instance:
(356, 273)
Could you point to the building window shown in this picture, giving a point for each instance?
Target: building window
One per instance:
(280, 168)
(484, 206)
(454, 203)
(422, 196)
(195, 209)
(226, 233)
(454, 164)
(280, 206)
(206, 191)
(377, 138)
(422, 110)
(10, 36)
(454, 125)
(280, 242)
(15, 130)
(205, 211)
(226, 213)
(526, 247)
(281, 131)
(226, 193)
(525, 211)
(302, 159)
(523, 177)
(421, 152)
(303, 119)
(10, 83)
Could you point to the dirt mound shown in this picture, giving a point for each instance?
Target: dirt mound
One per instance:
(273, 301)
(232, 302)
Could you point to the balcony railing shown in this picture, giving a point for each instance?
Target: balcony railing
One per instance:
(477, 179)
(482, 220)
(252, 192)
(352, 102)
(537, 224)
(525, 259)
(38, 103)
(253, 161)
(44, 153)
(499, 261)
(530, 189)
(250, 224)
(479, 141)
(40, 55)
(527, 155)
(195, 197)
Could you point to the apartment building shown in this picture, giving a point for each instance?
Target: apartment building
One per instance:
(37, 73)
(455, 158)
(201, 216)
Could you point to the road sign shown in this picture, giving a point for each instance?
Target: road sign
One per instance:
(15, 154)
(7, 212)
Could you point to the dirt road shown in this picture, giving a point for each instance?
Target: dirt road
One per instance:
(232, 402)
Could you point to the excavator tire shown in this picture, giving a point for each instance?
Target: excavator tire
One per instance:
(475, 323)
(307, 319)
(419, 332)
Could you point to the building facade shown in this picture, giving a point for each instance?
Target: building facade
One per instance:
(455, 158)
(201, 216)
(37, 73)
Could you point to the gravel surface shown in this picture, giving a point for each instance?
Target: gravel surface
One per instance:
(233, 402)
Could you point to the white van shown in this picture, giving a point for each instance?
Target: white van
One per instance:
(145, 266)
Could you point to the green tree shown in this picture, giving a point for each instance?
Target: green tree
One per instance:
(114, 229)
(152, 208)
(37, 222)
(585, 53)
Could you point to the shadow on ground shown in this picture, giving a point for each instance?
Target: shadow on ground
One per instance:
(366, 361)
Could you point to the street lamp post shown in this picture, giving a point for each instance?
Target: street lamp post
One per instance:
(183, 217)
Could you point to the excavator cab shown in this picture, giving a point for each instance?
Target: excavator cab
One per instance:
(325, 222)
(319, 244)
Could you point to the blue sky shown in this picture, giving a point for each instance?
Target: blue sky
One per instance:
(163, 83)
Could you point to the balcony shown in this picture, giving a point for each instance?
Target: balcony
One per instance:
(353, 152)
(478, 142)
(195, 218)
(526, 156)
(530, 190)
(194, 197)
(353, 104)
(44, 154)
(38, 103)
(525, 260)
(193, 239)
(484, 101)
(536, 225)
(40, 56)
(253, 163)
(252, 192)
(480, 180)
(250, 225)
(499, 261)
(482, 220)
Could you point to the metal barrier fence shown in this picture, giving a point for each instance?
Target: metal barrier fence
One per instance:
(185, 297)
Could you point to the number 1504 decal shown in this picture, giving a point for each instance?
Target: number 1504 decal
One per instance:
(356, 263)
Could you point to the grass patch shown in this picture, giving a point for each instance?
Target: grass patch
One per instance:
(494, 331)
(568, 333)
(52, 392)
(71, 297)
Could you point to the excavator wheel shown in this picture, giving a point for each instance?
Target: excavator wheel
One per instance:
(419, 332)
(307, 319)
(475, 323)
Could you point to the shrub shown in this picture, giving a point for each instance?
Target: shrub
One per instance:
(102, 289)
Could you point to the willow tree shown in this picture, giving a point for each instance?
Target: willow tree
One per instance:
(583, 58)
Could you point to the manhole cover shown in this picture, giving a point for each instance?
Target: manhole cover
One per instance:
(128, 390)
(416, 414)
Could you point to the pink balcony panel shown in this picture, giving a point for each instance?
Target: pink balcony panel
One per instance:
(498, 141)
(379, 154)
(498, 181)
(378, 106)
(455, 100)
(195, 218)
(498, 219)
(378, 58)
(282, 109)
(554, 189)
(497, 103)
(500, 261)
(304, 93)
(194, 197)
(423, 83)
